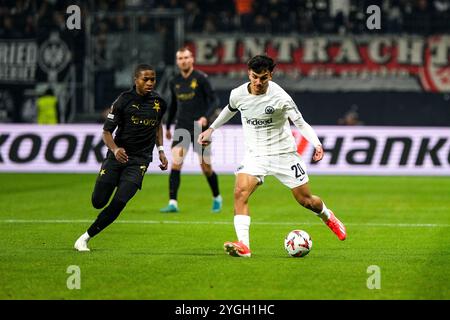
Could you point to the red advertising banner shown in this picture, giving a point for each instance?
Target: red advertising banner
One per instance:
(405, 63)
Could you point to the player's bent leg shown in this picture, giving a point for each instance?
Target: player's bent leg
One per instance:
(101, 194)
(244, 186)
(304, 197)
(100, 197)
(125, 191)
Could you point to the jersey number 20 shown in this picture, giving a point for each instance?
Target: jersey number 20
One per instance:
(298, 170)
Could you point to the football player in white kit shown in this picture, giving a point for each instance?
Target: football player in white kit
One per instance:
(270, 149)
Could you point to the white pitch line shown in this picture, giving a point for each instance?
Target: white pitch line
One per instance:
(406, 225)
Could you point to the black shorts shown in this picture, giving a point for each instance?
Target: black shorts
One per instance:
(112, 171)
(183, 138)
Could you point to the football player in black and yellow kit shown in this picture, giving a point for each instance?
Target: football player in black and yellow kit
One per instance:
(192, 102)
(136, 114)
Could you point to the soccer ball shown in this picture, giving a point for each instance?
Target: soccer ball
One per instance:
(298, 243)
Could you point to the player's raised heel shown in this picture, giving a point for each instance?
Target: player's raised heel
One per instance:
(170, 208)
(237, 249)
(336, 226)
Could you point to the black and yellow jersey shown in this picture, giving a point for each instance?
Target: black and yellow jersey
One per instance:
(137, 119)
(191, 99)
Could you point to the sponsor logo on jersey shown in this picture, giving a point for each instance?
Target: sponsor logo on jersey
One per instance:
(259, 122)
(186, 96)
(143, 121)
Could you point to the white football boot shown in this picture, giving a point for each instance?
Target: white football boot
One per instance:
(81, 243)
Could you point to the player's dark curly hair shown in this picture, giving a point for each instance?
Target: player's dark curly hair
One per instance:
(142, 67)
(260, 63)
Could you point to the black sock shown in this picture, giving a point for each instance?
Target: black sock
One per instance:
(174, 183)
(106, 217)
(214, 184)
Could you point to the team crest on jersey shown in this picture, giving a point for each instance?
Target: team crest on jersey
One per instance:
(156, 106)
(194, 84)
(269, 110)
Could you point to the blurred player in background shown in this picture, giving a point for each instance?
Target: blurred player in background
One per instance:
(270, 149)
(137, 115)
(192, 102)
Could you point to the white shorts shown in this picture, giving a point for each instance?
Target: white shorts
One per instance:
(289, 168)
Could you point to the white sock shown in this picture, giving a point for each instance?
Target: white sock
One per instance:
(325, 214)
(242, 227)
(218, 198)
(174, 202)
(85, 236)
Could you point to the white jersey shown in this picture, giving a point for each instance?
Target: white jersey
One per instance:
(265, 119)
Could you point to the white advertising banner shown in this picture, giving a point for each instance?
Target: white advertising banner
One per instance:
(348, 150)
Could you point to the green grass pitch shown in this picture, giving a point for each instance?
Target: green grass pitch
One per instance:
(401, 225)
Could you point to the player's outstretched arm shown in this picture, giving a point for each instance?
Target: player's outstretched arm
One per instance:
(224, 116)
(306, 130)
